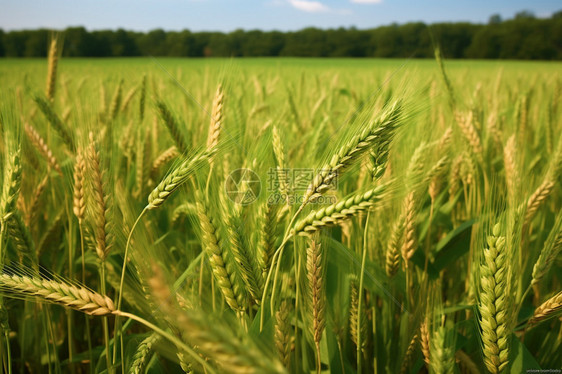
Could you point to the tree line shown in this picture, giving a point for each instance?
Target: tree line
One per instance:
(523, 37)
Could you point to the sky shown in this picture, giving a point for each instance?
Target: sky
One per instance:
(228, 15)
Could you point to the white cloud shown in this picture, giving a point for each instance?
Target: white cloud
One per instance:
(309, 6)
(366, 1)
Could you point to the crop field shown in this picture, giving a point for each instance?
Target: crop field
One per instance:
(280, 216)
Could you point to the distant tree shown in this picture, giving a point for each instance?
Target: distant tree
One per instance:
(525, 14)
(494, 19)
(523, 37)
(79, 42)
(2, 51)
(154, 43)
(123, 44)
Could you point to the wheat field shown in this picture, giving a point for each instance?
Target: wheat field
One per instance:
(280, 216)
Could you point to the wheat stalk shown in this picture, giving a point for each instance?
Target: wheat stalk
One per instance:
(536, 200)
(42, 147)
(142, 99)
(316, 295)
(551, 249)
(79, 198)
(58, 292)
(425, 342)
(336, 213)
(279, 152)
(164, 157)
(216, 119)
(49, 113)
(407, 361)
(357, 318)
(128, 98)
(283, 333)
(172, 126)
(21, 237)
(99, 203)
(212, 340)
(548, 309)
(466, 125)
(216, 256)
(493, 306)
(267, 237)
(11, 183)
(465, 362)
(116, 101)
(143, 353)
(409, 240)
(442, 354)
(240, 250)
(178, 175)
(33, 209)
(512, 176)
(392, 250)
(53, 56)
(375, 134)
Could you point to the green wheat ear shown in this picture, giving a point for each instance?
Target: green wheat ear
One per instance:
(494, 308)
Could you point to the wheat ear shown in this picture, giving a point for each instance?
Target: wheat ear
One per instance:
(551, 249)
(142, 99)
(409, 354)
(42, 148)
(442, 353)
(58, 292)
(33, 209)
(20, 236)
(216, 119)
(11, 183)
(316, 295)
(128, 98)
(283, 333)
(143, 354)
(267, 237)
(494, 310)
(513, 179)
(536, 200)
(216, 255)
(376, 134)
(425, 342)
(279, 152)
(164, 157)
(409, 241)
(549, 308)
(471, 135)
(49, 113)
(172, 126)
(99, 203)
(241, 252)
(212, 339)
(176, 177)
(79, 198)
(393, 248)
(53, 57)
(336, 213)
(357, 318)
(465, 362)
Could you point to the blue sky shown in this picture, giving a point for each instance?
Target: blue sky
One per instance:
(227, 15)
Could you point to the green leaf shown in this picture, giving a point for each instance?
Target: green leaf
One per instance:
(521, 359)
(454, 245)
